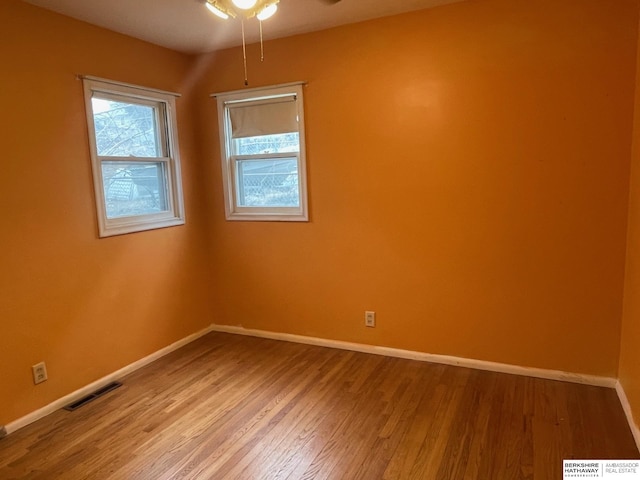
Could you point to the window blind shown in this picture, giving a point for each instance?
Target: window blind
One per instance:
(268, 117)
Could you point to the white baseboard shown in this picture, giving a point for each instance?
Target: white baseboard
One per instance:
(426, 357)
(626, 406)
(86, 390)
(322, 342)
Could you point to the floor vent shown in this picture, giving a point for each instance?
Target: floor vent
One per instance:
(92, 396)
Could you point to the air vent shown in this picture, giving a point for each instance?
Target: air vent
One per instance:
(92, 396)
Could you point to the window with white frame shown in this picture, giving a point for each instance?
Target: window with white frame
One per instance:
(263, 153)
(134, 151)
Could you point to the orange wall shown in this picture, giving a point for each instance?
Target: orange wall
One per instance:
(630, 340)
(85, 306)
(468, 177)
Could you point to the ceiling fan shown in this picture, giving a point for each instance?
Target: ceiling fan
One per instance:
(261, 9)
(246, 9)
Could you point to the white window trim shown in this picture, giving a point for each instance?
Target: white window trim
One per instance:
(174, 215)
(277, 214)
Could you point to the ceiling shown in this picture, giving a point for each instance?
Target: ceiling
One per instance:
(187, 26)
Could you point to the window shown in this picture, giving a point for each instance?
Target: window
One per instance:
(262, 151)
(134, 152)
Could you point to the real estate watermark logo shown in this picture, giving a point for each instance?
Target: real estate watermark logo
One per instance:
(612, 469)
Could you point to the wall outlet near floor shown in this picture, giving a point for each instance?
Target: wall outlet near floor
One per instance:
(370, 319)
(39, 373)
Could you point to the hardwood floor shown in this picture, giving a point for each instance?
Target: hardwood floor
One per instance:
(233, 407)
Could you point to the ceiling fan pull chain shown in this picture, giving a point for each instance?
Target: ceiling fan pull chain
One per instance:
(261, 44)
(244, 54)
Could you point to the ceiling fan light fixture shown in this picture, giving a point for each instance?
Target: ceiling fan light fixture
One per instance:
(268, 11)
(216, 10)
(244, 4)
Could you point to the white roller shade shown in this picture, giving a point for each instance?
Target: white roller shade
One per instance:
(268, 117)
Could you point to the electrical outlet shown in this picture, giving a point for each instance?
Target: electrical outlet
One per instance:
(39, 373)
(370, 319)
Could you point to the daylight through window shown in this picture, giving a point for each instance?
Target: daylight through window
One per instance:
(262, 150)
(136, 170)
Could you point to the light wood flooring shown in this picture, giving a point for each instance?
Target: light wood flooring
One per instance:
(234, 407)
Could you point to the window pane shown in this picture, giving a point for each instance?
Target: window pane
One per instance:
(133, 188)
(268, 183)
(125, 129)
(279, 143)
